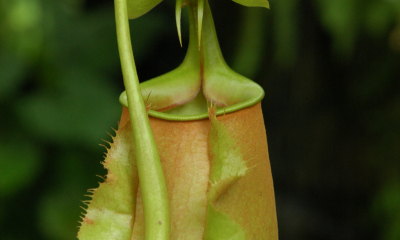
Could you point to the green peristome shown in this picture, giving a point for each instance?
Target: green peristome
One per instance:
(137, 8)
(110, 213)
(194, 83)
(220, 226)
(253, 3)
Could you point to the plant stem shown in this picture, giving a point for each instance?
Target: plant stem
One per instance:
(151, 177)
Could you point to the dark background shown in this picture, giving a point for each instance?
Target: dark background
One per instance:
(330, 69)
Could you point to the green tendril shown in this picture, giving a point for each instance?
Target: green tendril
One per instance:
(152, 182)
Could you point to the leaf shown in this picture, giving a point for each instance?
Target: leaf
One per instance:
(111, 212)
(253, 3)
(137, 8)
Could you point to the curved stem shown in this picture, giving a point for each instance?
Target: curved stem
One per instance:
(152, 182)
(210, 49)
(192, 54)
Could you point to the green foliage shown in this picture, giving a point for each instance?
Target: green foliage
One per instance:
(253, 3)
(23, 169)
(58, 98)
(65, 97)
(386, 206)
(137, 8)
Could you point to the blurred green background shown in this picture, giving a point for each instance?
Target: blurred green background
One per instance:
(330, 69)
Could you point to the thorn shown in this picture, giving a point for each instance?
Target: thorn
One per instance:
(147, 99)
(249, 169)
(106, 141)
(109, 134)
(149, 106)
(103, 145)
(101, 177)
(178, 12)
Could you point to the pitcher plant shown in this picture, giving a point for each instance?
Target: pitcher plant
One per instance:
(190, 157)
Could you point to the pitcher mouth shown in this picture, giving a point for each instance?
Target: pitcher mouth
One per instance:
(185, 93)
(196, 108)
